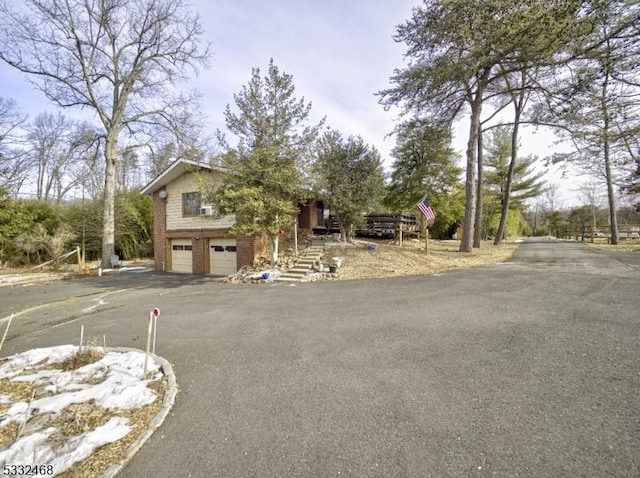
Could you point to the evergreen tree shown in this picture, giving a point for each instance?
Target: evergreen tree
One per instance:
(458, 49)
(595, 101)
(264, 174)
(350, 177)
(524, 183)
(425, 163)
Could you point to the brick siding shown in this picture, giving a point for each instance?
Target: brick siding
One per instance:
(159, 232)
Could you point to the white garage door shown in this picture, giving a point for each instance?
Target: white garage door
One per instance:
(222, 257)
(181, 256)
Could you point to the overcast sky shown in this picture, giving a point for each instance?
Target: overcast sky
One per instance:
(340, 53)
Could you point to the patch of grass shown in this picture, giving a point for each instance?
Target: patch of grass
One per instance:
(85, 356)
(8, 435)
(392, 260)
(625, 245)
(18, 391)
(78, 418)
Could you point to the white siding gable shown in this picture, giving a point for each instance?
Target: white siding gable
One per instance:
(187, 184)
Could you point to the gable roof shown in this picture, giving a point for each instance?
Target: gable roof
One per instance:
(173, 172)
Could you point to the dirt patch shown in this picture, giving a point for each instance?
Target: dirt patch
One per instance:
(390, 260)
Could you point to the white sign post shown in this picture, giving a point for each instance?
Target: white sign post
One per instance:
(6, 331)
(156, 314)
(146, 355)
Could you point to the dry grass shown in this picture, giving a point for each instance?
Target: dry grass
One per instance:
(18, 391)
(78, 418)
(625, 245)
(390, 260)
(81, 358)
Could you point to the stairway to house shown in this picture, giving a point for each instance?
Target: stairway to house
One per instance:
(305, 262)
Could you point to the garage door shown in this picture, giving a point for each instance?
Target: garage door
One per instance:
(222, 257)
(181, 256)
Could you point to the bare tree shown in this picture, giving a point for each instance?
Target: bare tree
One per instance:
(89, 170)
(129, 170)
(596, 98)
(536, 214)
(119, 58)
(185, 137)
(593, 195)
(12, 161)
(552, 198)
(53, 143)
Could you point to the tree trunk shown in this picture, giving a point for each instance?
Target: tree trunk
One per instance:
(347, 234)
(507, 190)
(108, 228)
(273, 244)
(519, 104)
(40, 182)
(470, 187)
(615, 235)
(613, 220)
(477, 232)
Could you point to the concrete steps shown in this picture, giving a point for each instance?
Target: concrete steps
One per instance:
(304, 264)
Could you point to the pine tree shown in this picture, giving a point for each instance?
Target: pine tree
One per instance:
(459, 49)
(425, 163)
(350, 177)
(265, 173)
(524, 184)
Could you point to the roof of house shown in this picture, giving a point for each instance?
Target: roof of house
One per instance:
(173, 172)
(177, 169)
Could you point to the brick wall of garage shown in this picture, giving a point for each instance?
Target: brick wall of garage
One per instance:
(199, 244)
(246, 250)
(159, 232)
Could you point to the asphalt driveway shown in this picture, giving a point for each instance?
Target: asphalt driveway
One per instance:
(529, 368)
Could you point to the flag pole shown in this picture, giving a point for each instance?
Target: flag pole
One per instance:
(429, 215)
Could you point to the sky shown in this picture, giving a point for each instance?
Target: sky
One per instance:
(340, 53)
(121, 389)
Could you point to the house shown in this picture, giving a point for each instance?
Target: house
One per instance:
(186, 236)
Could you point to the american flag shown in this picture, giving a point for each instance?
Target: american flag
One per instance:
(426, 210)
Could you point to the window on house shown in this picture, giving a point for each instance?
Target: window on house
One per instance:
(190, 204)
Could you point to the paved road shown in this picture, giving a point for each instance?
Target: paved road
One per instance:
(529, 368)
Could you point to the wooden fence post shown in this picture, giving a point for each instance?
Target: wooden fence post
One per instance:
(80, 268)
(426, 242)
